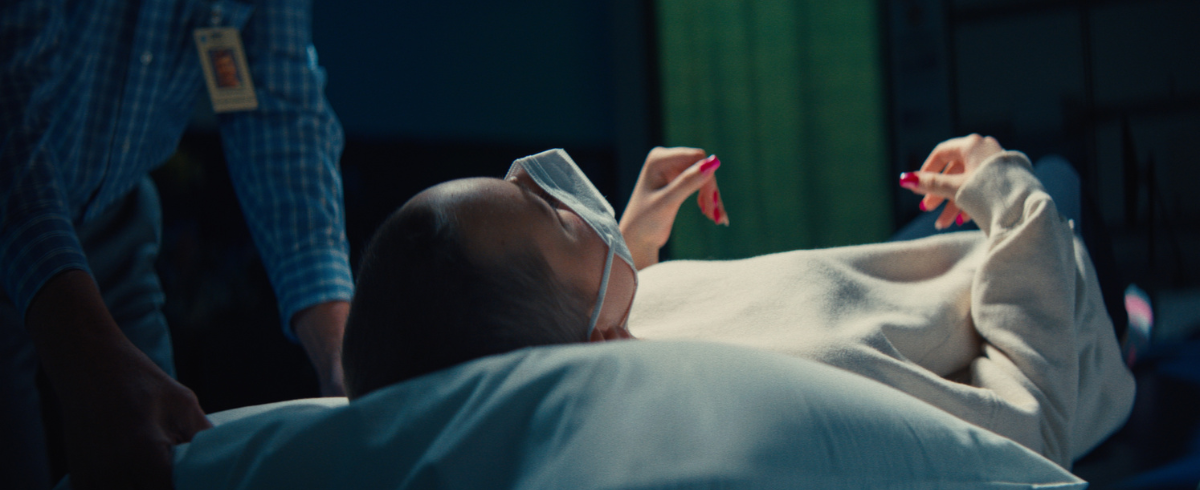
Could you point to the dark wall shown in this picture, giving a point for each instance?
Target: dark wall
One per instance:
(1112, 85)
(432, 91)
(500, 72)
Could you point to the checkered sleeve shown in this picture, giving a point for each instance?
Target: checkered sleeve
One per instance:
(37, 238)
(283, 158)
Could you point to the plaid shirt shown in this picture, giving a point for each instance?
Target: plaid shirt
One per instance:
(93, 98)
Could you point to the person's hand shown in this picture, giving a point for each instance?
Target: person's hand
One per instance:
(943, 173)
(668, 177)
(122, 421)
(122, 415)
(320, 329)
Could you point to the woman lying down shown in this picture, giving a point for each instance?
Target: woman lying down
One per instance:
(1004, 329)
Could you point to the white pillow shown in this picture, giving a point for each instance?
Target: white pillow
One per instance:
(617, 415)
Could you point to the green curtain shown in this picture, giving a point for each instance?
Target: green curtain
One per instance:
(789, 95)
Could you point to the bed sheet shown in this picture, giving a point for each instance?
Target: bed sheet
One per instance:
(619, 415)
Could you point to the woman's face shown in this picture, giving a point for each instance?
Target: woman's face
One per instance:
(501, 216)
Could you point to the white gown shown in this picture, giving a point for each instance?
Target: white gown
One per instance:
(1004, 328)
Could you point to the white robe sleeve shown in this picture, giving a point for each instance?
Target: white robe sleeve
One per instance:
(1035, 303)
(1006, 330)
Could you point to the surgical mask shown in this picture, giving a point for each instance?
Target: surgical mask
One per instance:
(558, 175)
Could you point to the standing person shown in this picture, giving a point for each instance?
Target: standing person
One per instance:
(94, 95)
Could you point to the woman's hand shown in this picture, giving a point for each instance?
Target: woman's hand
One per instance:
(668, 177)
(943, 173)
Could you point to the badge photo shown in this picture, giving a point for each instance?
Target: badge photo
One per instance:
(226, 72)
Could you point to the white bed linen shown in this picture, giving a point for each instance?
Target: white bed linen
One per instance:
(620, 415)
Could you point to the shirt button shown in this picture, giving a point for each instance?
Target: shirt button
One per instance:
(125, 146)
(147, 58)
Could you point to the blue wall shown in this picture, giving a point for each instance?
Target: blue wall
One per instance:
(489, 72)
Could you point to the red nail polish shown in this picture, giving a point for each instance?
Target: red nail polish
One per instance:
(716, 197)
(922, 205)
(717, 215)
(958, 220)
(909, 180)
(711, 165)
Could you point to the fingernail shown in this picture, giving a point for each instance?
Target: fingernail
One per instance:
(958, 220)
(716, 197)
(717, 215)
(909, 180)
(711, 165)
(922, 205)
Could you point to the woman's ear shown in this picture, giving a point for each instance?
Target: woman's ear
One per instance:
(622, 333)
(597, 336)
(606, 334)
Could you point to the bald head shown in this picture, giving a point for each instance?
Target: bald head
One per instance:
(487, 215)
(435, 289)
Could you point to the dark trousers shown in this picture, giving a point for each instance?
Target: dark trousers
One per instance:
(121, 245)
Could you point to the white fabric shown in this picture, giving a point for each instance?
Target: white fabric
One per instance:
(618, 415)
(556, 173)
(1003, 328)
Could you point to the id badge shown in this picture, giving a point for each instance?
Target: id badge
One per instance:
(225, 69)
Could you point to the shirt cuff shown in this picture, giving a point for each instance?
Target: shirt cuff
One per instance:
(995, 195)
(308, 279)
(39, 248)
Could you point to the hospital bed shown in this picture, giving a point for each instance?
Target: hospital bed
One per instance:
(665, 414)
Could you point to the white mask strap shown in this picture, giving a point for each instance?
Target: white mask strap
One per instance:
(603, 291)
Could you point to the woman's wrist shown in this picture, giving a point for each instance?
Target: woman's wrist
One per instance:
(645, 252)
(643, 255)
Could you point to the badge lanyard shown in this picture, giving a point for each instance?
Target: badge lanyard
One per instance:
(226, 72)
